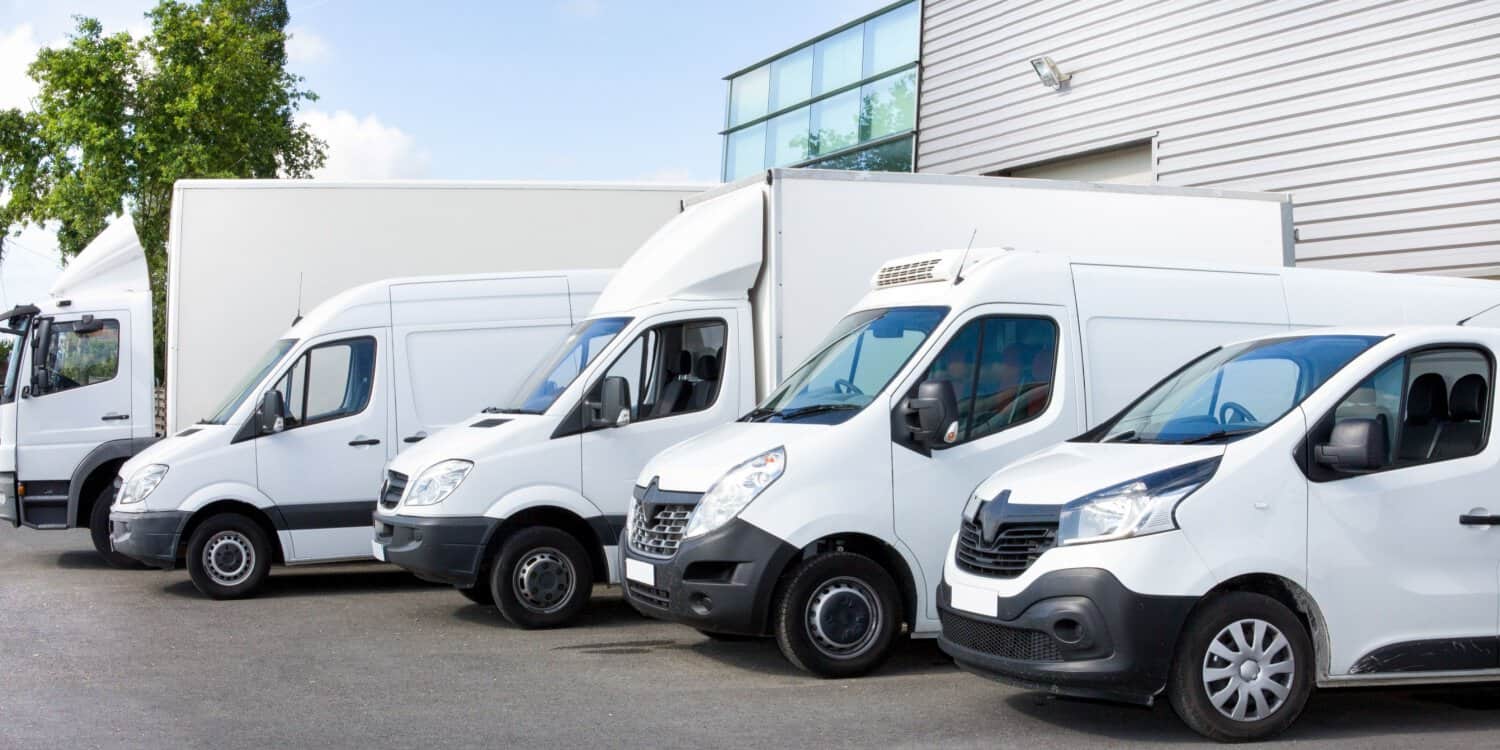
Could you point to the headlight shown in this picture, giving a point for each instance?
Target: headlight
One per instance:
(630, 513)
(141, 483)
(734, 491)
(1136, 508)
(438, 482)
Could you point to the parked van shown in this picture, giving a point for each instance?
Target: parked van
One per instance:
(283, 470)
(822, 517)
(525, 508)
(1292, 511)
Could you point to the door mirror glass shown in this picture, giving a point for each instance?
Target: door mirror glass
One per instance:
(268, 417)
(1356, 444)
(41, 344)
(931, 416)
(612, 409)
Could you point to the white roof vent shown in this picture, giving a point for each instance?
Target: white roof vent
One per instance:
(911, 270)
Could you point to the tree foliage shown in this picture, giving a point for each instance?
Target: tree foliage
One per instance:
(118, 120)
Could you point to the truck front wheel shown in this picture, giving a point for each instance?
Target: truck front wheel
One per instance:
(837, 615)
(542, 578)
(228, 556)
(99, 532)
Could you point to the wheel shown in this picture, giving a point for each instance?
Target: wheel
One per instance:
(542, 578)
(99, 532)
(837, 615)
(479, 593)
(726, 637)
(1243, 668)
(228, 556)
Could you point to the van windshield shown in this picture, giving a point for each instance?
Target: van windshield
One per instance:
(559, 370)
(1232, 392)
(257, 373)
(859, 358)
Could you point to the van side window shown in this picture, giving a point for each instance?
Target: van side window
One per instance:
(1001, 370)
(673, 369)
(328, 381)
(81, 358)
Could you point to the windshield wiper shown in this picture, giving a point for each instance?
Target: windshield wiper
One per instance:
(758, 414)
(1219, 435)
(1127, 436)
(816, 409)
(503, 410)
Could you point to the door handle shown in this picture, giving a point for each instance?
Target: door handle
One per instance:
(112, 417)
(1479, 519)
(360, 442)
(417, 438)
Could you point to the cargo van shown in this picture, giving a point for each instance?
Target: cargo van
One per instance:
(524, 508)
(284, 469)
(1303, 510)
(822, 517)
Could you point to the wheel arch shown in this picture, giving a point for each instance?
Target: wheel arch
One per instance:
(260, 516)
(555, 516)
(97, 472)
(876, 549)
(1293, 596)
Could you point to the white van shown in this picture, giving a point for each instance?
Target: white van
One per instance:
(1288, 512)
(284, 470)
(822, 516)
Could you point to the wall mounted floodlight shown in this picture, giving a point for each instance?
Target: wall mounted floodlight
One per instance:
(1047, 71)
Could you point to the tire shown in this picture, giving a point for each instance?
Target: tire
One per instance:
(228, 556)
(479, 593)
(99, 533)
(1280, 658)
(837, 615)
(541, 578)
(727, 637)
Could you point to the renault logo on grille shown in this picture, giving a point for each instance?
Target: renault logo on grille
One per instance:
(990, 516)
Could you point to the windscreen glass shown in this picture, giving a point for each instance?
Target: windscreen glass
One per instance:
(1232, 392)
(10, 349)
(859, 358)
(562, 367)
(257, 373)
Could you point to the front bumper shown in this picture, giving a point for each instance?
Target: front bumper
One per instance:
(441, 549)
(721, 582)
(1076, 632)
(151, 537)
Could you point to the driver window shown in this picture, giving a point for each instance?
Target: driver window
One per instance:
(1001, 369)
(328, 381)
(81, 358)
(673, 369)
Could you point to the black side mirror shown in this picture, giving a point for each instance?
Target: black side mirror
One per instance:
(612, 409)
(268, 420)
(41, 345)
(88, 325)
(931, 416)
(1355, 445)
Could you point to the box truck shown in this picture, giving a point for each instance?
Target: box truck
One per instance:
(822, 518)
(245, 258)
(525, 508)
(284, 469)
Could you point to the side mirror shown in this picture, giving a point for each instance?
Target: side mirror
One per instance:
(88, 325)
(931, 416)
(41, 345)
(268, 420)
(613, 407)
(1355, 445)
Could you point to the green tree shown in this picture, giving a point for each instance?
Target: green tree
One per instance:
(118, 120)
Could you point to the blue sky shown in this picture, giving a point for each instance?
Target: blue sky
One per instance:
(508, 89)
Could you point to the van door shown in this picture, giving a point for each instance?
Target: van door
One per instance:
(463, 345)
(323, 469)
(1013, 368)
(1402, 561)
(79, 401)
(679, 386)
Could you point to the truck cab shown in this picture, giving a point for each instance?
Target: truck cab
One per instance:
(78, 394)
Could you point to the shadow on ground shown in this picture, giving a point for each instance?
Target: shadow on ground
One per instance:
(282, 583)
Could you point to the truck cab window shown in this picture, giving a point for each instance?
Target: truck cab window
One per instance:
(328, 381)
(1433, 404)
(78, 358)
(673, 369)
(1001, 369)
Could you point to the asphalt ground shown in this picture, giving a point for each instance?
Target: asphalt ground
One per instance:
(368, 656)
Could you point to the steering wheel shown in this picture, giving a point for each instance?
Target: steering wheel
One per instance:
(842, 385)
(1232, 412)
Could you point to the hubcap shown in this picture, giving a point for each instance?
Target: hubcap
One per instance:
(229, 558)
(843, 618)
(544, 580)
(1248, 670)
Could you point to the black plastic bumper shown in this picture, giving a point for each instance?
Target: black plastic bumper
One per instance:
(1073, 632)
(721, 582)
(444, 550)
(151, 537)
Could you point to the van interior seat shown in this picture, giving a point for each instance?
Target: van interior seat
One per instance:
(677, 391)
(707, 372)
(1464, 432)
(1426, 411)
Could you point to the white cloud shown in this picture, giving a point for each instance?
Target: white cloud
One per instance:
(365, 148)
(303, 47)
(18, 49)
(581, 8)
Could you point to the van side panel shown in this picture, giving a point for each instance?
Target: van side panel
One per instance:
(1336, 298)
(1181, 313)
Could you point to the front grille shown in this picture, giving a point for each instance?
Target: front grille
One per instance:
(1014, 549)
(660, 532)
(390, 494)
(999, 640)
(651, 595)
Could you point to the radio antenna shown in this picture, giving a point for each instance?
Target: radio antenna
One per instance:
(298, 319)
(1481, 312)
(958, 277)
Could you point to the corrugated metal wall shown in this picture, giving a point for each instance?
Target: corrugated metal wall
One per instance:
(1380, 117)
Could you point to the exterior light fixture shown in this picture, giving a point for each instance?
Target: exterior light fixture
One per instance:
(1047, 71)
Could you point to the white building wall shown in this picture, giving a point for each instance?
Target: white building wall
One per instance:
(1380, 117)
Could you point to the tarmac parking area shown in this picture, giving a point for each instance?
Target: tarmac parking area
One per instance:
(369, 656)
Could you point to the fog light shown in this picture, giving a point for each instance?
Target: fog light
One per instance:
(701, 604)
(1067, 630)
